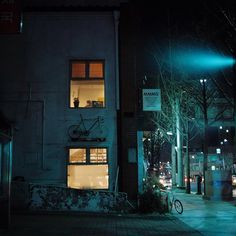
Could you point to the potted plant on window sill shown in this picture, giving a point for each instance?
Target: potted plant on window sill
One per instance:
(76, 102)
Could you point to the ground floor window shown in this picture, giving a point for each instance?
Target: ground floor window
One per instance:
(88, 168)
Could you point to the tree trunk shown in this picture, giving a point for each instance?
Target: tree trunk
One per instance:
(188, 187)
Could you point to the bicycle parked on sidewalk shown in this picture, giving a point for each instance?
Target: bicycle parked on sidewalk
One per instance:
(176, 202)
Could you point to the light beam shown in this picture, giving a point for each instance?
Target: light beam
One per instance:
(201, 61)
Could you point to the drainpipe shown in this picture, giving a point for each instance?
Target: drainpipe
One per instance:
(116, 15)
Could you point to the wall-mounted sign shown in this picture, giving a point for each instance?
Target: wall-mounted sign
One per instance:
(10, 16)
(151, 100)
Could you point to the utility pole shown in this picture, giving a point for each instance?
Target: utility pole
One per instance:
(173, 166)
(179, 145)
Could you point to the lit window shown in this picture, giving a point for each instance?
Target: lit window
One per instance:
(96, 70)
(98, 155)
(87, 87)
(88, 168)
(78, 155)
(78, 70)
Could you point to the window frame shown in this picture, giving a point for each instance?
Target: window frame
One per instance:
(87, 163)
(87, 78)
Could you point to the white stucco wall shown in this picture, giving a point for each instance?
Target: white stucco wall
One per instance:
(34, 89)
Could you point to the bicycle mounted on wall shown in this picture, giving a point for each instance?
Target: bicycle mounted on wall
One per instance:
(88, 130)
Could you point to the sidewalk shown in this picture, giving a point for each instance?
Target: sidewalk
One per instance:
(86, 224)
(207, 216)
(200, 217)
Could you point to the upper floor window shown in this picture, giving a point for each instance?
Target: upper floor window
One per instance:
(87, 87)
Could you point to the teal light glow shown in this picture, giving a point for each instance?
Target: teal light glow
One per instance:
(199, 61)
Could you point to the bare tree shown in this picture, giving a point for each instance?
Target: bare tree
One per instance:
(183, 98)
(172, 120)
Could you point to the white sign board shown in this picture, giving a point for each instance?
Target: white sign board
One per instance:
(151, 100)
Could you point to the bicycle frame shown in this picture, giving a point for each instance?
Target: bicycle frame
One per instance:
(80, 130)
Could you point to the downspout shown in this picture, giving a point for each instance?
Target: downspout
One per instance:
(116, 15)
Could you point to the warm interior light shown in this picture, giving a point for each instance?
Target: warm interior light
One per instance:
(88, 176)
(77, 155)
(96, 70)
(78, 70)
(92, 90)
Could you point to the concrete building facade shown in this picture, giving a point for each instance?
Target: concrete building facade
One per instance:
(63, 54)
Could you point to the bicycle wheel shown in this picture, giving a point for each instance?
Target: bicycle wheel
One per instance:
(178, 206)
(74, 132)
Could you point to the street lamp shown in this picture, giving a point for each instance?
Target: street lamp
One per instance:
(205, 141)
(197, 61)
